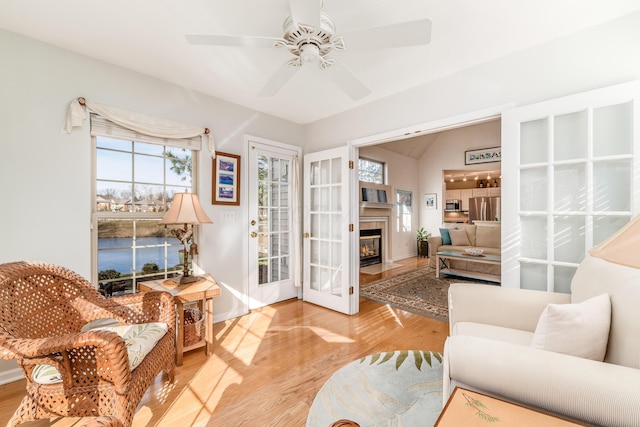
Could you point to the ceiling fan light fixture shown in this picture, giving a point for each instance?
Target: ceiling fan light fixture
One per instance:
(309, 53)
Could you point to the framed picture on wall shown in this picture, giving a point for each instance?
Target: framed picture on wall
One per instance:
(430, 201)
(225, 176)
(404, 201)
(483, 155)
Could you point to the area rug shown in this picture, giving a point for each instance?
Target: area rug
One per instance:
(394, 389)
(417, 291)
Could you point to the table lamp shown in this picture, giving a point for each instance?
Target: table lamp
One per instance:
(185, 209)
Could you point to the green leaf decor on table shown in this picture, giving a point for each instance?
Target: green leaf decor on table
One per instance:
(480, 407)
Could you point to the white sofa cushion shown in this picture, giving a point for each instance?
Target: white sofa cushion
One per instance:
(595, 276)
(139, 339)
(492, 332)
(580, 330)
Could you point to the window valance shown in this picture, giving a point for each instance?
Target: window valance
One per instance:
(138, 123)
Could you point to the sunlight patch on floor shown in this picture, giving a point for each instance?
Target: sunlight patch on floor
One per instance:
(393, 314)
(255, 325)
(325, 334)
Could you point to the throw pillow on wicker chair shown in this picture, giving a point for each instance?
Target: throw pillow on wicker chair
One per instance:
(139, 339)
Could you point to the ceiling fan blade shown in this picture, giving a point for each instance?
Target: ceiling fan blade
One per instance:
(243, 41)
(410, 33)
(346, 80)
(278, 80)
(305, 12)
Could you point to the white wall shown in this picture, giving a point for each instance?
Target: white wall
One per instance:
(601, 56)
(402, 173)
(45, 175)
(447, 152)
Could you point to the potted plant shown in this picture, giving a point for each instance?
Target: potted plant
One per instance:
(421, 238)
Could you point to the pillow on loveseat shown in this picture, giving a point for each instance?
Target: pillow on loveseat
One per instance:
(580, 330)
(488, 236)
(459, 238)
(446, 238)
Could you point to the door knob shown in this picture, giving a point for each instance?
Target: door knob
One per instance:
(254, 234)
(306, 235)
(253, 222)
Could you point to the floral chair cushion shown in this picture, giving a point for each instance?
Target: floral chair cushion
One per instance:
(139, 339)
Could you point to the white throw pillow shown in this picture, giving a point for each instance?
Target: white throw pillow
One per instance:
(580, 330)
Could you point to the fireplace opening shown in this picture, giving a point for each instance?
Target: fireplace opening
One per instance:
(370, 247)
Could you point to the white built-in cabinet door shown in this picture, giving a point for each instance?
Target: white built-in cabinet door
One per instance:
(452, 195)
(493, 192)
(570, 169)
(465, 195)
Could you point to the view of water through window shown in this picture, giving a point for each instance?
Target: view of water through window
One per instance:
(135, 185)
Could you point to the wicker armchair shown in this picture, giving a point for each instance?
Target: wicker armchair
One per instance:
(43, 309)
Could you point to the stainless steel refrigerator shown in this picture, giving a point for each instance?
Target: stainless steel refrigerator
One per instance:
(484, 209)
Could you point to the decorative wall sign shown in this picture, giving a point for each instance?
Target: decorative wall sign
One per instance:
(430, 201)
(226, 179)
(483, 155)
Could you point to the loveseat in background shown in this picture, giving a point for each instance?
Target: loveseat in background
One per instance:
(485, 237)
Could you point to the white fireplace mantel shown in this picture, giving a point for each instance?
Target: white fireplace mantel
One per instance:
(381, 222)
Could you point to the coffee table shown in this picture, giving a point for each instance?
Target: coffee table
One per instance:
(443, 265)
(471, 409)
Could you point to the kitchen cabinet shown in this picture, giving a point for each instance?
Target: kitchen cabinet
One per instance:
(493, 191)
(480, 192)
(452, 195)
(465, 195)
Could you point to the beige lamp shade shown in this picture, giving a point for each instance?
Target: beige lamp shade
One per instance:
(185, 209)
(622, 247)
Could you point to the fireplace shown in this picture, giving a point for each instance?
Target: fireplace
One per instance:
(370, 247)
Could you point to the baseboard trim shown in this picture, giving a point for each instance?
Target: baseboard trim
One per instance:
(11, 375)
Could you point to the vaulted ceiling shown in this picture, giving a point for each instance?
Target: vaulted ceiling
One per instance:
(148, 36)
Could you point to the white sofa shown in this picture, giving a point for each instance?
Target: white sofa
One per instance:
(489, 348)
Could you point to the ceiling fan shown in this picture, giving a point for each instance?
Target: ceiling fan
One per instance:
(310, 35)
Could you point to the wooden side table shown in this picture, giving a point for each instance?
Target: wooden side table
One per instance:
(471, 409)
(202, 291)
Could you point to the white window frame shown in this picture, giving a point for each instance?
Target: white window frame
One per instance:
(384, 169)
(103, 127)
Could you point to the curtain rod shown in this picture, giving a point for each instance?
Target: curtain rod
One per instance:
(82, 101)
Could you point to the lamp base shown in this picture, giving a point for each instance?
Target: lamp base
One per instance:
(183, 280)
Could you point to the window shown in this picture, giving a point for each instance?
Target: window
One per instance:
(135, 184)
(371, 171)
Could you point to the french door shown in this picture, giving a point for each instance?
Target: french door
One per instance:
(272, 223)
(327, 231)
(573, 180)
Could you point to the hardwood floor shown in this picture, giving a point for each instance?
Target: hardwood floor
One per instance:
(267, 366)
(408, 264)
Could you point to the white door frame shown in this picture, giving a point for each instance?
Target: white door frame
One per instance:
(448, 123)
(247, 235)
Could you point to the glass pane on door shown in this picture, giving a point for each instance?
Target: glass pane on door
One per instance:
(325, 177)
(274, 219)
(613, 130)
(612, 185)
(534, 141)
